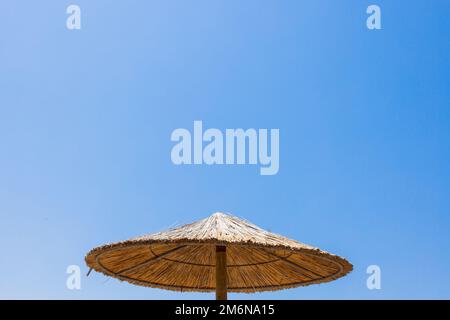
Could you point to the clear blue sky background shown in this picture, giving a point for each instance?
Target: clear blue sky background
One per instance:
(364, 119)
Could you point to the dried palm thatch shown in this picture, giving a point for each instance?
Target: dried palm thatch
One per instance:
(189, 258)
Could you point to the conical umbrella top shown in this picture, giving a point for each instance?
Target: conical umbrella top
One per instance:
(223, 228)
(186, 258)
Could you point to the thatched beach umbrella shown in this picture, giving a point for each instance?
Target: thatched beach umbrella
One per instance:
(220, 253)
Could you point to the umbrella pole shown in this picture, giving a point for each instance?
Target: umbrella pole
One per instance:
(221, 273)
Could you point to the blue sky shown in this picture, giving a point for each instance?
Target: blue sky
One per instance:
(86, 118)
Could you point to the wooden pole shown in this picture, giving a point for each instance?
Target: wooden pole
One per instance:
(221, 273)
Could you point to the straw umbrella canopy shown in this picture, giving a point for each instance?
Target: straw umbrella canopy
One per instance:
(221, 253)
